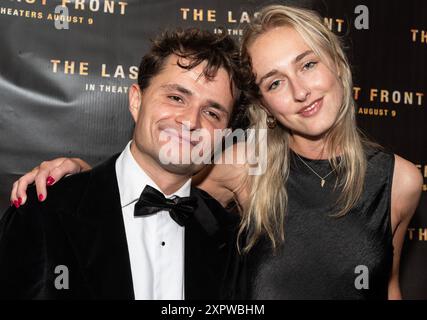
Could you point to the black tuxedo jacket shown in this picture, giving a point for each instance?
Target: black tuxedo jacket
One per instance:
(80, 226)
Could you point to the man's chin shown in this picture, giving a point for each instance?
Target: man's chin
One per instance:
(183, 169)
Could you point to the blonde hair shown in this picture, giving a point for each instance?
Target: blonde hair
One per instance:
(267, 206)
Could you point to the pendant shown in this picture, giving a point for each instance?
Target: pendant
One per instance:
(322, 182)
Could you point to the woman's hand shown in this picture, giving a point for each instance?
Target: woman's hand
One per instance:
(45, 175)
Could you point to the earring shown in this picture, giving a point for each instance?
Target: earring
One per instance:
(271, 122)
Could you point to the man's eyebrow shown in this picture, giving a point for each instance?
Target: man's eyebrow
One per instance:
(275, 71)
(218, 106)
(177, 87)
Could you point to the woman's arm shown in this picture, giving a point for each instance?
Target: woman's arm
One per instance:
(226, 181)
(405, 194)
(46, 174)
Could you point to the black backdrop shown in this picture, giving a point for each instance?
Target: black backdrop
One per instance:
(64, 91)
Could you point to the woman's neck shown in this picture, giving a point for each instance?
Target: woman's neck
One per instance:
(310, 148)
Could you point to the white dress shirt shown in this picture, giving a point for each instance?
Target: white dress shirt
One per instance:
(156, 242)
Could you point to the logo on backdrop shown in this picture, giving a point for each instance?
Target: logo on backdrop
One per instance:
(423, 169)
(76, 10)
(417, 234)
(419, 36)
(380, 102)
(234, 20)
(116, 73)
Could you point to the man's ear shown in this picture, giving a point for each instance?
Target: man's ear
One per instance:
(135, 100)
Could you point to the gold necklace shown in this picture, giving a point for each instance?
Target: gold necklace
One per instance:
(322, 179)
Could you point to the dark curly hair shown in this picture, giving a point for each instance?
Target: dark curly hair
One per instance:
(197, 46)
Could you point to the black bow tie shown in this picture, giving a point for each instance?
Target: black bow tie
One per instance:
(152, 201)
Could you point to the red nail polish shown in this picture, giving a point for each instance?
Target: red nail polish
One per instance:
(50, 180)
(19, 200)
(41, 197)
(16, 204)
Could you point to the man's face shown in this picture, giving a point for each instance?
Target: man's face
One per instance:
(176, 104)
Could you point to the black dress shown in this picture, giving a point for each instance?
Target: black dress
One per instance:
(324, 257)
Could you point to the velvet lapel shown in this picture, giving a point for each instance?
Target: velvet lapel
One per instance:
(97, 235)
(206, 252)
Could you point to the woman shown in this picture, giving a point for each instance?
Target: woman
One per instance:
(328, 218)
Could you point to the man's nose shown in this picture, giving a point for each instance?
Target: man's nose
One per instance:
(189, 118)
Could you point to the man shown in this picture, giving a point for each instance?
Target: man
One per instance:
(133, 227)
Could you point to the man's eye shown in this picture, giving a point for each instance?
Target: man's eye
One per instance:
(274, 85)
(175, 98)
(212, 114)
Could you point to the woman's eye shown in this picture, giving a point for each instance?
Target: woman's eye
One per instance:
(274, 85)
(309, 65)
(175, 98)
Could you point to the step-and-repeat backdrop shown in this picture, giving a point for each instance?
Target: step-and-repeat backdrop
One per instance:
(65, 73)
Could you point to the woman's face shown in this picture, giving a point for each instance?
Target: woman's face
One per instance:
(302, 92)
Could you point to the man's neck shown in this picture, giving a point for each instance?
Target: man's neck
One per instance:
(167, 182)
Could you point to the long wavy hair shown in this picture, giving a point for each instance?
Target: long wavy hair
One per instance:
(265, 213)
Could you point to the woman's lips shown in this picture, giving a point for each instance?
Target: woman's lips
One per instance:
(312, 109)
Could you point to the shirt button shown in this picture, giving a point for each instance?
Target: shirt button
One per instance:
(163, 243)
